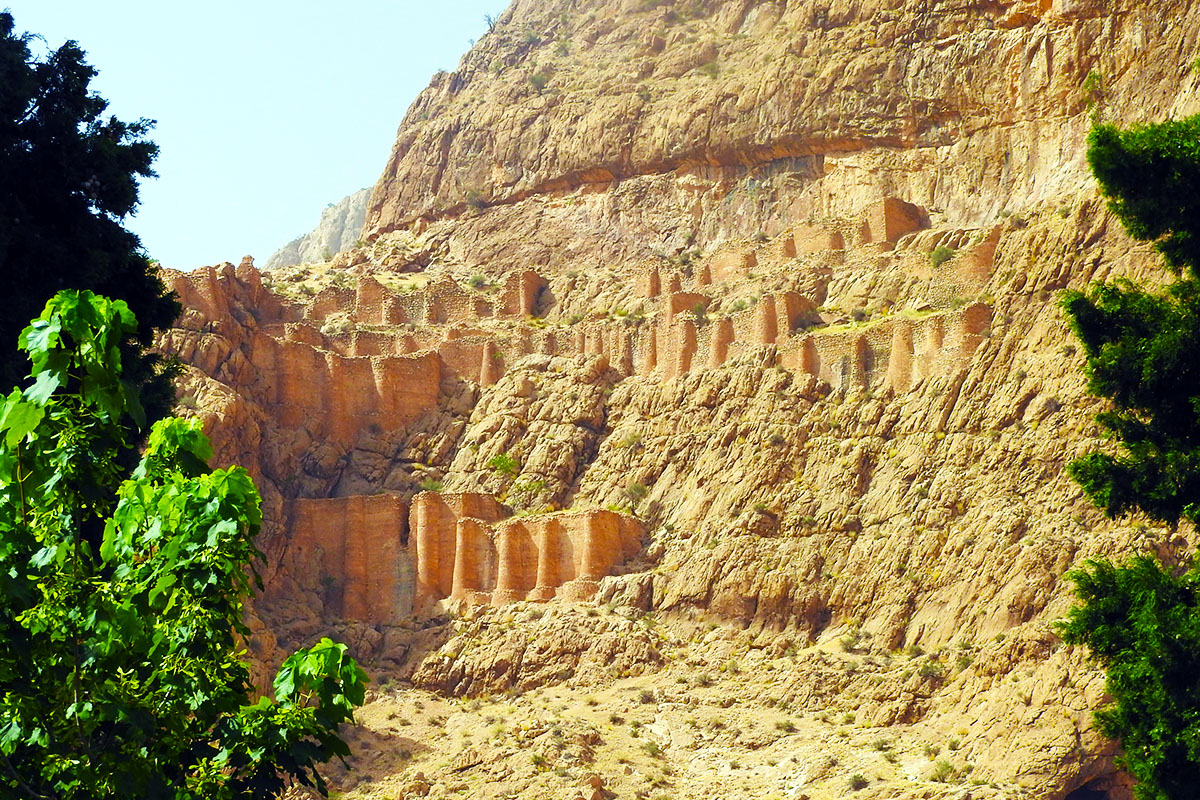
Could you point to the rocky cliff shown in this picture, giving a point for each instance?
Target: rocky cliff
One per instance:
(339, 229)
(702, 380)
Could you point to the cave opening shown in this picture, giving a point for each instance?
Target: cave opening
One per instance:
(1090, 791)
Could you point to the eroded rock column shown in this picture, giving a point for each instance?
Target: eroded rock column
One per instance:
(471, 551)
(433, 535)
(552, 545)
(516, 564)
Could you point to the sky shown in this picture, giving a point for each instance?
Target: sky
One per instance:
(266, 111)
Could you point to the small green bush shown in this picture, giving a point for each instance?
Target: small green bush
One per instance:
(940, 255)
(932, 670)
(503, 464)
(1093, 88)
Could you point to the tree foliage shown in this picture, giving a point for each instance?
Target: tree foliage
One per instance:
(68, 177)
(1141, 345)
(1141, 620)
(120, 674)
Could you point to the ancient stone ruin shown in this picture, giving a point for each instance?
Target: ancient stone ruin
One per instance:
(381, 561)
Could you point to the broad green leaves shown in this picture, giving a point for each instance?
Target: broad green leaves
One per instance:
(120, 674)
(19, 418)
(77, 342)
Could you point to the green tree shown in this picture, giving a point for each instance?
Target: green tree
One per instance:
(120, 674)
(68, 177)
(1141, 619)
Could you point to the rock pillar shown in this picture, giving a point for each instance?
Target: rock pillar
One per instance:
(687, 347)
(625, 362)
(433, 538)
(597, 555)
(470, 543)
(550, 558)
(515, 564)
(900, 359)
(489, 368)
(768, 321)
(722, 337)
(810, 360)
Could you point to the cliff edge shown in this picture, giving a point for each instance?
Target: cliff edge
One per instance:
(701, 384)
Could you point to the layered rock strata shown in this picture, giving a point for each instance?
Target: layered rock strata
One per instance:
(780, 279)
(463, 550)
(376, 560)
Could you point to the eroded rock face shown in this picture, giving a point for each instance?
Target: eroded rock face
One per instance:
(354, 547)
(780, 279)
(337, 231)
(464, 549)
(959, 108)
(372, 559)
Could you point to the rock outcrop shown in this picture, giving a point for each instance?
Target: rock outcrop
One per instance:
(339, 230)
(464, 550)
(376, 561)
(777, 279)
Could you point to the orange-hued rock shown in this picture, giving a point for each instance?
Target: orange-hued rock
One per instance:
(685, 302)
(890, 218)
(729, 264)
(355, 548)
(808, 239)
(435, 532)
(373, 559)
(850, 466)
(465, 547)
(521, 291)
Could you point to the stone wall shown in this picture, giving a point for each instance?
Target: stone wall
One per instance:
(375, 559)
(465, 547)
(682, 332)
(353, 551)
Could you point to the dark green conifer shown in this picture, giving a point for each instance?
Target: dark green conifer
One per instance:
(1141, 619)
(68, 178)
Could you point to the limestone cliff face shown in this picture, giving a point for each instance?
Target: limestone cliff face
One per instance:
(966, 109)
(777, 279)
(339, 229)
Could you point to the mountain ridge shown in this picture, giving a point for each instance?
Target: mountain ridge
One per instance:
(338, 230)
(803, 327)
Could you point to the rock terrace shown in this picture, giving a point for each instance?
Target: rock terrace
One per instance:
(696, 334)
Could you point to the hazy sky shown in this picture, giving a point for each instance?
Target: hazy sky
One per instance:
(267, 110)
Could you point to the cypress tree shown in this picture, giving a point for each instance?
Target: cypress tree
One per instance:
(68, 180)
(1141, 619)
